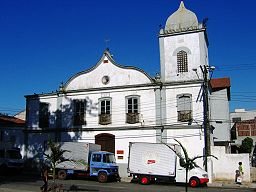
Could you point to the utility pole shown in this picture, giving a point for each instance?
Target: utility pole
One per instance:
(207, 140)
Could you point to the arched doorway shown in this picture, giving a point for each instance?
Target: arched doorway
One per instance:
(107, 142)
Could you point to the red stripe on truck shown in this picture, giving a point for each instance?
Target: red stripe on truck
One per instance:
(151, 161)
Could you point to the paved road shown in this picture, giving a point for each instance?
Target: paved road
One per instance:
(28, 184)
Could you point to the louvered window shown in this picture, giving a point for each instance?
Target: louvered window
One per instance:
(182, 61)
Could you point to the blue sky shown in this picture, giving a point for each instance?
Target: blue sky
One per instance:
(45, 42)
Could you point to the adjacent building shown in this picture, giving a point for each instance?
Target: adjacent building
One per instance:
(219, 116)
(243, 124)
(11, 131)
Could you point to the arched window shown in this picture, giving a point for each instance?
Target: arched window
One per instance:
(182, 61)
(132, 109)
(105, 111)
(184, 107)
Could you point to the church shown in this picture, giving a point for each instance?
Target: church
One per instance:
(112, 105)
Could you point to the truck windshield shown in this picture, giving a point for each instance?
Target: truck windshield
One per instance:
(191, 165)
(13, 154)
(109, 158)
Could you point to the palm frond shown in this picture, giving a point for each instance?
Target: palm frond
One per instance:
(183, 149)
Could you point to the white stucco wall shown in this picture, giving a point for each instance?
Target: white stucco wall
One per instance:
(191, 139)
(118, 76)
(33, 110)
(118, 108)
(197, 55)
(224, 168)
(171, 102)
(219, 107)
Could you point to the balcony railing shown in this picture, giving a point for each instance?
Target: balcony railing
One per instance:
(184, 116)
(132, 118)
(104, 119)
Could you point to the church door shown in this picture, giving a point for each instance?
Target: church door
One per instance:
(107, 142)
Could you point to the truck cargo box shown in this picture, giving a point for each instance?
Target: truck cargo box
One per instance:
(79, 153)
(151, 158)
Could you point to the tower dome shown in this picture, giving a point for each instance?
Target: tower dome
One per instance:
(182, 19)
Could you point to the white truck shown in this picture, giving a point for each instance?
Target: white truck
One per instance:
(87, 160)
(150, 162)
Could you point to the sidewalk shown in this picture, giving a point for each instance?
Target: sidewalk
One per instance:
(231, 184)
(223, 184)
(34, 185)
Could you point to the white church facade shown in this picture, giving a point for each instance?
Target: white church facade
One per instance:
(113, 105)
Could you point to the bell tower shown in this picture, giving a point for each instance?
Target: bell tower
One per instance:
(183, 47)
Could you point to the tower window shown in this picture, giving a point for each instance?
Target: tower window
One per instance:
(182, 61)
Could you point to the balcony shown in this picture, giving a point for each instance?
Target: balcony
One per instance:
(104, 119)
(184, 116)
(132, 118)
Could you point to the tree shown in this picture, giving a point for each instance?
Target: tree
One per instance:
(186, 162)
(246, 146)
(55, 156)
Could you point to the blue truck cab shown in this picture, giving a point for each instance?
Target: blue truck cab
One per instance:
(103, 166)
(82, 159)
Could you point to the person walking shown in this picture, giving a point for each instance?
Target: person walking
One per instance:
(240, 173)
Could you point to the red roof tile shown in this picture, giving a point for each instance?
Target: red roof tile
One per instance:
(9, 120)
(220, 83)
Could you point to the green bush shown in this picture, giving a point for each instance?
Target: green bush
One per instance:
(246, 146)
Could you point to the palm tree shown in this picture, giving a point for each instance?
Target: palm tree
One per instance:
(55, 156)
(188, 163)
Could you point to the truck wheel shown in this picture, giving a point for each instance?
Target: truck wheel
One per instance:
(194, 182)
(144, 180)
(62, 174)
(102, 177)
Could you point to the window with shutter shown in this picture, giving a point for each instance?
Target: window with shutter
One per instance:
(184, 107)
(132, 113)
(105, 111)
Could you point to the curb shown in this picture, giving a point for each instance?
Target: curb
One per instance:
(13, 190)
(231, 185)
